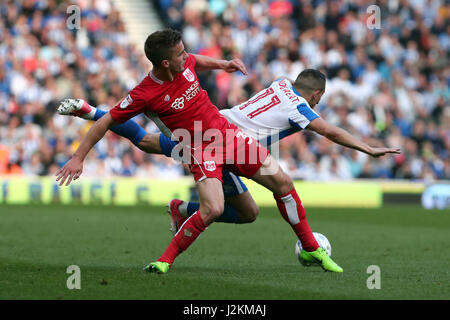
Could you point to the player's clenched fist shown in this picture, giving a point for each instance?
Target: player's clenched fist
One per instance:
(70, 171)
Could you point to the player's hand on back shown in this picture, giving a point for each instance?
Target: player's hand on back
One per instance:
(235, 65)
(70, 171)
(378, 152)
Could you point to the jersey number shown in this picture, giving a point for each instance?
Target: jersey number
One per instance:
(272, 103)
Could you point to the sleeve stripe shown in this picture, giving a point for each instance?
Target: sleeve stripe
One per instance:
(307, 112)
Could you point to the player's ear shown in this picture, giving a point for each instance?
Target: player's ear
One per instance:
(317, 94)
(165, 63)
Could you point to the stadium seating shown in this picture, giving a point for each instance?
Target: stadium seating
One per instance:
(387, 86)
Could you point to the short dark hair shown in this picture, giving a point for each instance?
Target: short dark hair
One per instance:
(159, 45)
(309, 80)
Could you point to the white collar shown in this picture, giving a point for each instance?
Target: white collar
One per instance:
(154, 78)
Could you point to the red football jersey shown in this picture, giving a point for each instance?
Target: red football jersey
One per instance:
(172, 105)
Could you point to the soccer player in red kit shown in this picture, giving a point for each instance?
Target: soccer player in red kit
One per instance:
(172, 97)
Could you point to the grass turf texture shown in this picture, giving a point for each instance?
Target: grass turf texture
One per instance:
(111, 245)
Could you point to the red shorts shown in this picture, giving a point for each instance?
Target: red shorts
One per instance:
(237, 152)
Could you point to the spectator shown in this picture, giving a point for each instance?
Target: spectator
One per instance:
(388, 85)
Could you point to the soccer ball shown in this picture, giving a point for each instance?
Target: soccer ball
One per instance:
(321, 240)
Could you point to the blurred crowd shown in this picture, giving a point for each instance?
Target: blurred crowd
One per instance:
(387, 80)
(46, 55)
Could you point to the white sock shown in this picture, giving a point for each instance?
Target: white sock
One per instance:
(183, 209)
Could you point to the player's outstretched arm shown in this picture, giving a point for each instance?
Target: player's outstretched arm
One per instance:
(74, 167)
(204, 63)
(344, 138)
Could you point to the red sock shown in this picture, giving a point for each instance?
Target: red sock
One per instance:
(292, 210)
(85, 109)
(185, 236)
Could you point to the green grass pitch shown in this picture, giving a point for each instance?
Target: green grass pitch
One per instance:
(111, 245)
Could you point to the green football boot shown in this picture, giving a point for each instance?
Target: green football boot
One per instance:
(158, 267)
(320, 256)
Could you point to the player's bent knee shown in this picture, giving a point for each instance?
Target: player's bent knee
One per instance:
(288, 183)
(251, 213)
(284, 183)
(150, 143)
(212, 210)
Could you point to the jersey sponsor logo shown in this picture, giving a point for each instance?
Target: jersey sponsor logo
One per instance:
(192, 91)
(189, 75)
(178, 103)
(188, 95)
(210, 165)
(126, 102)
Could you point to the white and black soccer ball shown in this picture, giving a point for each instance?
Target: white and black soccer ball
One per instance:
(321, 240)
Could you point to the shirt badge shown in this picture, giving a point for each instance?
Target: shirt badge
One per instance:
(189, 75)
